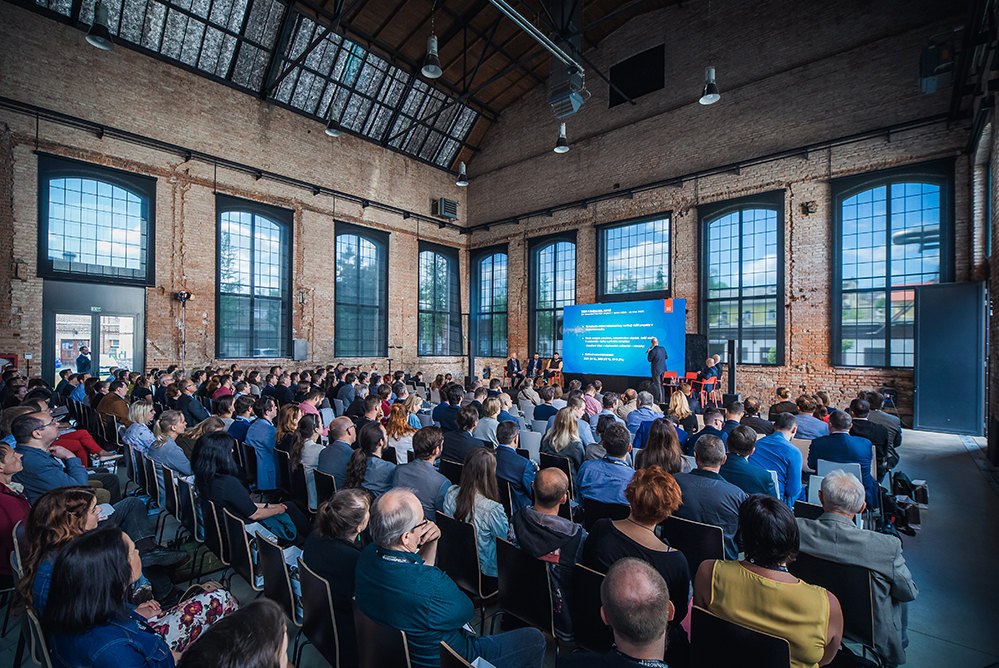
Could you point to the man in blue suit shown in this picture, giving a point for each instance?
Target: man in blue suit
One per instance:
(738, 470)
(840, 447)
(657, 359)
(511, 467)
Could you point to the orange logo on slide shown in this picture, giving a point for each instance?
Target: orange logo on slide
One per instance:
(668, 304)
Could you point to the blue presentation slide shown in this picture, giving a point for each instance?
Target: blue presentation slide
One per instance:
(613, 339)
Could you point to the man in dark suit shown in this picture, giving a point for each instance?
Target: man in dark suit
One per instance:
(334, 457)
(446, 414)
(840, 447)
(513, 370)
(733, 414)
(283, 392)
(873, 432)
(889, 422)
(657, 359)
(713, 422)
(707, 497)
(511, 467)
(192, 409)
(752, 418)
(534, 366)
(458, 443)
(739, 471)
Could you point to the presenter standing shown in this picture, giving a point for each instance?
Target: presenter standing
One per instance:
(657, 358)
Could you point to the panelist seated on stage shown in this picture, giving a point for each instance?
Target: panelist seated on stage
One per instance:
(513, 369)
(554, 366)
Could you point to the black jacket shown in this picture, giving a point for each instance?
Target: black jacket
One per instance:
(457, 444)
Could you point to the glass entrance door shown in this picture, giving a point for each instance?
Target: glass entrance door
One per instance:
(117, 342)
(72, 336)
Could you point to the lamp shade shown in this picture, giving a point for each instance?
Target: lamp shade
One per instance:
(562, 145)
(462, 178)
(710, 93)
(99, 34)
(333, 128)
(432, 64)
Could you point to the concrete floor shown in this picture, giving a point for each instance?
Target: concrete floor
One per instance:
(952, 559)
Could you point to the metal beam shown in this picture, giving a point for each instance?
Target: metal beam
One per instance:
(485, 48)
(388, 19)
(600, 74)
(612, 15)
(279, 46)
(480, 34)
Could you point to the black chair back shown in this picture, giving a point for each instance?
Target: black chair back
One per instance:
(451, 659)
(130, 475)
(319, 622)
(379, 646)
(808, 511)
(451, 470)
(300, 489)
(410, 456)
(549, 461)
(240, 557)
(283, 465)
(214, 538)
(277, 581)
(716, 643)
(458, 555)
(153, 482)
(237, 456)
(851, 585)
(524, 589)
(325, 486)
(588, 627)
(140, 472)
(696, 541)
(524, 452)
(505, 495)
(390, 455)
(250, 462)
(188, 513)
(594, 510)
(170, 493)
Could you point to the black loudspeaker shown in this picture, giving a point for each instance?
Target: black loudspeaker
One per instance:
(729, 398)
(733, 357)
(697, 351)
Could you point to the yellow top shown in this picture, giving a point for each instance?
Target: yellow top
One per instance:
(798, 612)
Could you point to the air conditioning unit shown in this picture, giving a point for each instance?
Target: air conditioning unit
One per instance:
(446, 208)
(936, 67)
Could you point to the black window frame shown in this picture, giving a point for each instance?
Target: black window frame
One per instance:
(454, 329)
(285, 217)
(940, 172)
(708, 213)
(534, 248)
(377, 237)
(604, 297)
(55, 167)
(476, 258)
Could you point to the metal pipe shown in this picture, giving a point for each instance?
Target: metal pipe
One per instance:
(536, 34)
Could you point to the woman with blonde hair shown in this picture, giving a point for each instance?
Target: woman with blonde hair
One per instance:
(399, 431)
(165, 451)
(679, 408)
(563, 440)
(413, 404)
(287, 423)
(138, 434)
(476, 500)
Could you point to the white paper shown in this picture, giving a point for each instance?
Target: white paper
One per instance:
(106, 511)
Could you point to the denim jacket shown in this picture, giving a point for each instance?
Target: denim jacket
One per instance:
(123, 643)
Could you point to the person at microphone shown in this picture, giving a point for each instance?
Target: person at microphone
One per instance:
(657, 358)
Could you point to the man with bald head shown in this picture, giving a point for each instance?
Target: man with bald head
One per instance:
(397, 585)
(543, 534)
(657, 360)
(635, 604)
(334, 457)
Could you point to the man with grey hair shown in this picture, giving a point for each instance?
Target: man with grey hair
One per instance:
(397, 585)
(707, 497)
(635, 603)
(643, 412)
(835, 537)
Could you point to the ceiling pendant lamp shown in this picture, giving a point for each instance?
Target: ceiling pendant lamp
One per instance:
(710, 93)
(99, 34)
(562, 145)
(462, 178)
(432, 64)
(333, 128)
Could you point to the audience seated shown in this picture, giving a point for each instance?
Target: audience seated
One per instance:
(839, 446)
(605, 479)
(546, 409)
(332, 551)
(609, 402)
(518, 471)
(835, 537)
(242, 417)
(654, 495)
(527, 392)
(356, 408)
(420, 476)
(187, 439)
(261, 436)
(138, 434)
(891, 422)
(733, 414)
(876, 433)
(255, 636)
(476, 500)
(306, 446)
(14, 508)
(776, 453)
(459, 441)
(635, 603)
(662, 448)
(192, 409)
(446, 413)
(643, 412)
(399, 431)
(809, 426)
(752, 418)
(563, 440)
(366, 467)
(346, 392)
(760, 594)
(707, 497)
(164, 450)
(737, 468)
(413, 404)
(783, 405)
(334, 457)
(397, 586)
(713, 421)
(681, 408)
(575, 402)
(114, 403)
(485, 430)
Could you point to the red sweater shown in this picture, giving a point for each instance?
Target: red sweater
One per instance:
(14, 508)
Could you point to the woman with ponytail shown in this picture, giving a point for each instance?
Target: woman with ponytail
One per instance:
(366, 467)
(165, 451)
(332, 550)
(305, 449)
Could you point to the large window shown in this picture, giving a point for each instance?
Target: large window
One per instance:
(743, 282)
(553, 287)
(489, 297)
(439, 331)
(893, 233)
(634, 259)
(95, 223)
(254, 246)
(361, 322)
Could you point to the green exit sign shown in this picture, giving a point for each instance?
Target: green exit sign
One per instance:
(95, 309)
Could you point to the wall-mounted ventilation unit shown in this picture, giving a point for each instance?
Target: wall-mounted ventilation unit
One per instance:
(446, 208)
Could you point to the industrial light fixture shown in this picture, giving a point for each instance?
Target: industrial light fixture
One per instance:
(562, 146)
(333, 128)
(462, 178)
(432, 64)
(710, 93)
(99, 34)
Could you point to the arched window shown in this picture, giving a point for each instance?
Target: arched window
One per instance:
(254, 247)
(439, 331)
(361, 322)
(893, 233)
(489, 302)
(742, 294)
(553, 287)
(95, 223)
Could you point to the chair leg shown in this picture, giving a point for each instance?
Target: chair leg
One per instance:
(6, 616)
(19, 653)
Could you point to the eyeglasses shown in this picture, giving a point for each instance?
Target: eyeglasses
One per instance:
(421, 524)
